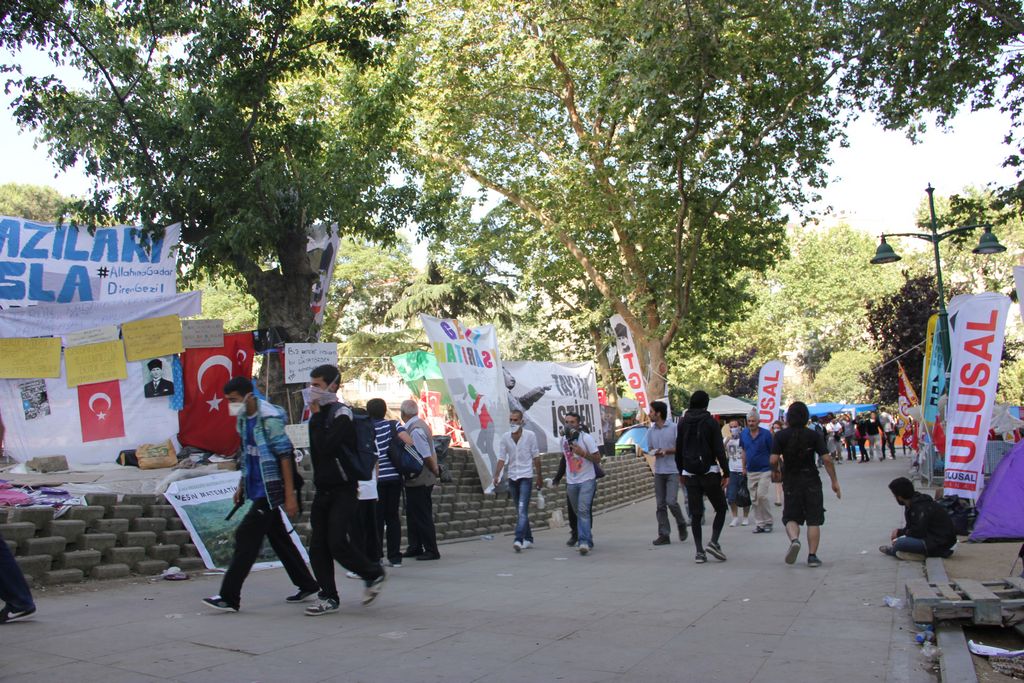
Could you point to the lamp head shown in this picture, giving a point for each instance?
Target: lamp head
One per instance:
(885, 254)
(989, 243)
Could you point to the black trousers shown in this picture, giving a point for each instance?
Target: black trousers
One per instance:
(262, 522)
(697, 487)
(419, 516)
(389, 520)
(364, 530)
(331, 516)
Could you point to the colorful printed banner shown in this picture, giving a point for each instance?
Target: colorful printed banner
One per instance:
(769, 391)
(95, 363)
(546, 391)
(471, 367)
(30, 358)
(907, 399)
(933, 379)
(629, 359)
(152, 337)
(47, 263)
(977, 348)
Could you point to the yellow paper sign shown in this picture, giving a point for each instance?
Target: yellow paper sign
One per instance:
(30, 358)
(152, 337)
(95, 363)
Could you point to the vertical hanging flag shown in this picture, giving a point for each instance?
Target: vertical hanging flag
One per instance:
(907, 399)
(100, 411)
(977, 348)
(204, 422)
(769, 391)
(629, 359)
(934, 378)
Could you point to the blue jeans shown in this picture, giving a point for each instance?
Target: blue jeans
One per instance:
(909, 544)
(13, 587)
(520, 490)
(581, 496)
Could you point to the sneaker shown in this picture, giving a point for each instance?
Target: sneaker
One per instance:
(661, 540)
(584, 548)
(373, 588)
(518, 546)
(325, 606)
(745, 522)
(217, 602)
(412, 553)
(887, 550)
(715, 551)
(911, 557)
(683, 533)
(793, 551)
(572, 541)
(393, 564)
(813, 561)
(527, 545)
(428, 556)
(352, 575)
(760, 530)
(8, 613)
(767, 528)
(300, 596)
(701, 558)
(735, 521)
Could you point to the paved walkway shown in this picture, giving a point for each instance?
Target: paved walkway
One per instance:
(628, 612)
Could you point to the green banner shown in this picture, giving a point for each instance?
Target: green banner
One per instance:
(419, 369)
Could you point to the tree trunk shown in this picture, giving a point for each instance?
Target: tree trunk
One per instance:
(656, 370)
(605, 375)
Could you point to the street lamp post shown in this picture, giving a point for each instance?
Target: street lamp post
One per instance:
(988, 244)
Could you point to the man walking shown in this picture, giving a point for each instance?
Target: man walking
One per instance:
(419, 507)
(756, 442)
(795, 447)
(268, 481)
(700, 457)
(581, 459)
(888, 426)
(661, 440)
(518, 449)
(332, 444)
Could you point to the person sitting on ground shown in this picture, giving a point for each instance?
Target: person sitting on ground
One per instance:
(929, 530)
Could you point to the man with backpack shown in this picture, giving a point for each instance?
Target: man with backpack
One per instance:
(343, 449)
(700, 457)
(269, 480)
(419, 508)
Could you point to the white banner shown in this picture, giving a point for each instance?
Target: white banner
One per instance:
(471, 367)
(1018, 279)
(979, 324)
(769, 391)
(47, 263)
(322, 248)
(202, 504)
(546, 391)
(629, 359)
(302, 359)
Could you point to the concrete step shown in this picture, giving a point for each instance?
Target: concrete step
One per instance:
(154, 524)
(110, 526)
(105, 500)
(17, 531)
(43, 545)
(34, 565)
(122, 511)
(165, 511)
(86, 513)
(124, 555)
(109, 571)
(175, 537)
(149, 567)
(98, 542)
(70, 529)
(168, 553)
(38, 515)
(58, 576)
(143, 539)
(78, 559)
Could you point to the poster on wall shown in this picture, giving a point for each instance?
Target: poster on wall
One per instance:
(158, 373)
(471, 367)
(546, 391)
(203, 503)
(46, 263)
(34, 402)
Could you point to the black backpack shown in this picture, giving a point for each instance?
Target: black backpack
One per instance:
(694, 444)
(358, 465)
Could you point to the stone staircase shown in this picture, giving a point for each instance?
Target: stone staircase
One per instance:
(117, 536)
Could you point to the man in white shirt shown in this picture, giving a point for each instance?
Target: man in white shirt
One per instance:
(581, 459)
(661, 440)
(518, 451)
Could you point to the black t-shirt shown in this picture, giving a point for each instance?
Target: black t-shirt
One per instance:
(798, 448)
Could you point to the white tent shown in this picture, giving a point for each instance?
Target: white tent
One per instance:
(727, 405)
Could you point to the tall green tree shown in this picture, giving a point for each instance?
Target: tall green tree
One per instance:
(651, 142)
(246, 122)
(36, 202)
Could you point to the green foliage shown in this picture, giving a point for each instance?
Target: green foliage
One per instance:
(845, 377)
(35, 202)
(228, 301)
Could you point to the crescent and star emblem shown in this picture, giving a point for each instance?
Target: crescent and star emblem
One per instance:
(213, 361)
(241, 355)
(99, 397)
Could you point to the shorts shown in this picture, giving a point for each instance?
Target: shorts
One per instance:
(733, 487)
(803, 502)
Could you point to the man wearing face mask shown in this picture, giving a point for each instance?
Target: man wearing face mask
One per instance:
(518, 449)
(331, 433)
(268, 481)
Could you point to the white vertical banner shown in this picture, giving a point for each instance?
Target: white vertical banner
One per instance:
(769, 391)
(629, 359)
(977, 348)
(1018, 280)
(471, 367)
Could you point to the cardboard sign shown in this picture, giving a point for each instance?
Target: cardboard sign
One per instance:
(298, 434)
(152, 337)
(202, 334)
(30, 358)
(92, 336)
(94, 363)
(301, 359)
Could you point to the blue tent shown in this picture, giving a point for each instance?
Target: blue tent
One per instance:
(820, 409)
(634, 436)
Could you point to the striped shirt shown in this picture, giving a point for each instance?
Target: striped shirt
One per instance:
(386, 471)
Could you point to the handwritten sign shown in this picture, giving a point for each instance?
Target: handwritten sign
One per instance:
(298, 434)
(95, 363)
(300, 359)
(30, 358)
(93, 336)
(202, 334)
(152, 337)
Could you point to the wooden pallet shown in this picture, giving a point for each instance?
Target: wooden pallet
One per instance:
(997, 602)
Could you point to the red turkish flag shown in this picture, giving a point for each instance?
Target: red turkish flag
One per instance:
(204, 422)
(100, 412)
